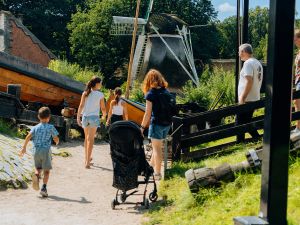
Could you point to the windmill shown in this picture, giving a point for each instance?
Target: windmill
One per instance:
(164, 43)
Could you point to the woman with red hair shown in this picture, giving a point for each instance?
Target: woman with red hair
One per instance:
(154, 86)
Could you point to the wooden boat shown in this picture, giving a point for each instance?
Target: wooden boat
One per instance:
(39, 84)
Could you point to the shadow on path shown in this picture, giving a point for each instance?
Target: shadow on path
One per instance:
(61, 199)
(102, 168)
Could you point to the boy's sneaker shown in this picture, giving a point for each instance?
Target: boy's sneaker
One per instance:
(44, 191)
(35, 182)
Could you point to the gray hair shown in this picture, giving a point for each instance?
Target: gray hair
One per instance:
(246, 48)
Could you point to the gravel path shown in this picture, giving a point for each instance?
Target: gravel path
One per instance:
(76, 195)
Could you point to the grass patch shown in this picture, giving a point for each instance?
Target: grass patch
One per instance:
(218, 206)
(7, 128)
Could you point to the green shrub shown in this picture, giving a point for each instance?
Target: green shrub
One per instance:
(72, 70)
(137, 94)
(7, 128)
(216, 89)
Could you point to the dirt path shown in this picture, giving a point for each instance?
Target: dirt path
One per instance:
(77, 196)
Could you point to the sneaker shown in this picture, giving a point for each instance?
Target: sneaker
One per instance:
(35, 182)
(44, 192)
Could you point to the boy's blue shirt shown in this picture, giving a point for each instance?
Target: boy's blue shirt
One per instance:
(42, 135)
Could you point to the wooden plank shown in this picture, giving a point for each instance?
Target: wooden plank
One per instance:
(222, 127)
(27, 116)
(220, 113)
(211, 151)
(196, 140)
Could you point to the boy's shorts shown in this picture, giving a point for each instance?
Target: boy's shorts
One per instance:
(90, 121)
(42, 159)
(158, 132)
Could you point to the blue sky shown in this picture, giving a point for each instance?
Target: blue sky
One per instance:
(227, 8)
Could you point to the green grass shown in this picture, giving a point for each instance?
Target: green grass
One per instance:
(218, 206)
(6, 128)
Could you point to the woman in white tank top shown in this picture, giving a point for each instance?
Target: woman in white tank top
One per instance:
(117, 110)
(91, 102)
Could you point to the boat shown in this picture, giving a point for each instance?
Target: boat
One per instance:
(39, 84)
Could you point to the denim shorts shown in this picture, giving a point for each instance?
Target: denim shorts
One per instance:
(90, 121)
(158, 132)
(42, 159)
(298, 86)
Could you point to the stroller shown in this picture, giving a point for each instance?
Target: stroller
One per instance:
(129, 162)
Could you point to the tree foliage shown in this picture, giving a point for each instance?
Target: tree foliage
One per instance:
(47, 19)
(93, 46)
(258, 28)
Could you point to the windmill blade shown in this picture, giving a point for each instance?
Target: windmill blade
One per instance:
(150, 6)
(125, 25)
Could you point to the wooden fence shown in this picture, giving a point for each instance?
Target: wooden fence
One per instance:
(183, 139)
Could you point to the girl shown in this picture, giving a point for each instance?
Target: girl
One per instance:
(297, 77)
(117, 108)
(91, 102)
(154, 84)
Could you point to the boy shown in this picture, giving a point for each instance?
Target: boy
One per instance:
(41, 135)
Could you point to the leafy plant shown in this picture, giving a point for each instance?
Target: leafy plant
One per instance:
(72, 70)
(216, 89)
(6, 128)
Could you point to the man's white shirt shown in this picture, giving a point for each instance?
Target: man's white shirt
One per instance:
(253, 68)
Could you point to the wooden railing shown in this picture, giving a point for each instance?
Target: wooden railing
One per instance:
(183, 139)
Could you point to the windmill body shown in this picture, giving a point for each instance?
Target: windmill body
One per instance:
(164, 43)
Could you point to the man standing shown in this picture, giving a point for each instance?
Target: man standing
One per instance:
(250, 82)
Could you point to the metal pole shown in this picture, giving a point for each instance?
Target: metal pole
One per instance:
(278, 112)
(245, 38)
(274, 185)
(237, 58)
(132, 48)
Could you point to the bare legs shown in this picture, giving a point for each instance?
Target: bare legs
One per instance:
(156, 157)
(89, 133)
(46, 175)
(297, 108)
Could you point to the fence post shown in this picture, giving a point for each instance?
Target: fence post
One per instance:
(176, 142)
(14, 89)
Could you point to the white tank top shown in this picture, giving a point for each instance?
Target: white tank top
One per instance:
(92, 104)
(118, 109)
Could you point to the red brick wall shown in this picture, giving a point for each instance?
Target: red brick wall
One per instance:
(23, 47)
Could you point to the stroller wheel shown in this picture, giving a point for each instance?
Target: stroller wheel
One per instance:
(113, 204)
(146, 203)
(153, 196)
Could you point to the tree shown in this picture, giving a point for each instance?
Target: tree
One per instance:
(227, 31)
(91, 43)
(47, 19)
(93, 46)
(258, 29)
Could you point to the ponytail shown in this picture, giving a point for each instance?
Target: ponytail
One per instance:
(118, 93)
(92, 83)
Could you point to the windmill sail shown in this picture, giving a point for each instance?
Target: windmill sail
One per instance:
(125, 25)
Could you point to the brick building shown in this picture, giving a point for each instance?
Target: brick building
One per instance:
(17, 40)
